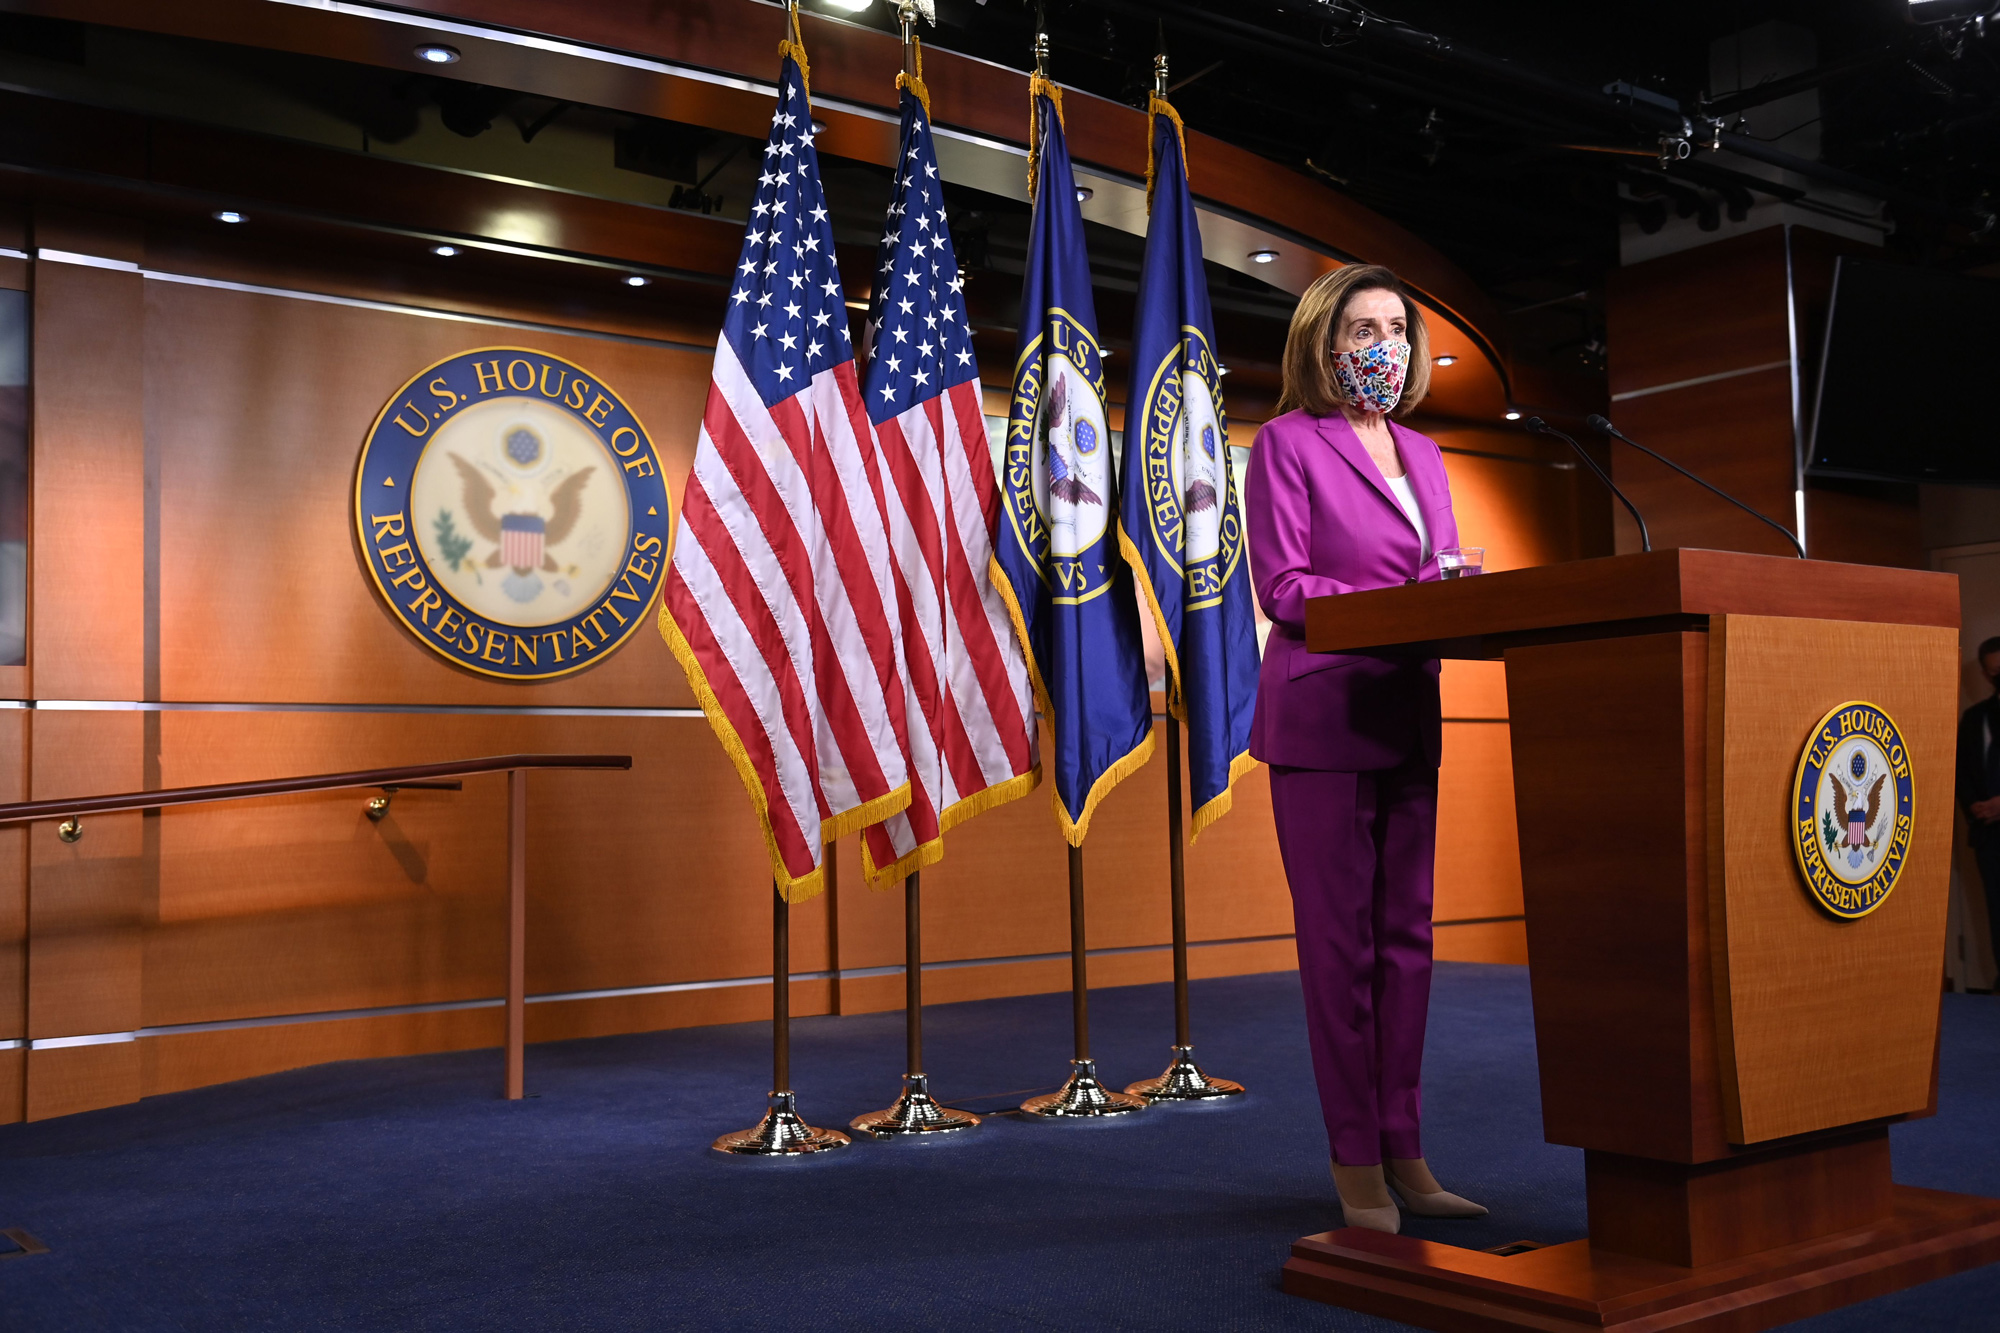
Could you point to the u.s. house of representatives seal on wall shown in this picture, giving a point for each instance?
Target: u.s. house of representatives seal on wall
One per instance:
(513, 513)
(1852, 816)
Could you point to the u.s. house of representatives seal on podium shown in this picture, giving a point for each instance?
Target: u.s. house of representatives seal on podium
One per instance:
(513, 513)
(1852, 814)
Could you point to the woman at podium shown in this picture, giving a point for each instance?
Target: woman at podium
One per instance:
(1340, 498)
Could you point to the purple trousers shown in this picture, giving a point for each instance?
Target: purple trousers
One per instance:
(1359, 852)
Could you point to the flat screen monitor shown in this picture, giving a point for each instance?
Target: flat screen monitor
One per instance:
(1907, 378)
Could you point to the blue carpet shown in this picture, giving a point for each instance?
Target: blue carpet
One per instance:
(403, 1195)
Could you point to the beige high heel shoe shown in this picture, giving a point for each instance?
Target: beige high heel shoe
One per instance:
(1386, 1218)
(1439, 1203)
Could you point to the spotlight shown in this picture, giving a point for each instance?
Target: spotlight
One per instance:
(1084, 194)
(848, 6)
(1513, 415)
(1221, 369)
(1263, 256)
(228, 215)
(1445, 360)
(444, 251)
(636, 280)
(819, 126)
(437, 53)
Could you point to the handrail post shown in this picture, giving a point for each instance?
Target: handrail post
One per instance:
(517, 927)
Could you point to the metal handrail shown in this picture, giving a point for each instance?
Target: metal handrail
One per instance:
(515, 766)
(28, 812)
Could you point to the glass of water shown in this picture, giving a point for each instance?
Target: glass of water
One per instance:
(1457, 562)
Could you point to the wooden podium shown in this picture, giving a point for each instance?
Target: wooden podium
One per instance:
(1728, 1055)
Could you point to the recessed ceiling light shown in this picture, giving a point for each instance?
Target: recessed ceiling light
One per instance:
(1263, 256)
(1084, 194)
(228, 215)
(1446, 360)
(1221, 369)
(444, 251)
(819, 126)
(636, 280)
(1513, 415)
(437, 53)
(851, 6)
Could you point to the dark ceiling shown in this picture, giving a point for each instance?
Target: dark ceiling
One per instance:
(1496, 142)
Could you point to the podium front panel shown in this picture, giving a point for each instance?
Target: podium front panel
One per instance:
(1825, 1015)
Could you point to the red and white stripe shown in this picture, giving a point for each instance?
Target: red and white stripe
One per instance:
(781, 595)
(973, 741)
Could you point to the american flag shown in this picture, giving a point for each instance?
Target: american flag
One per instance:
(780, 603)
(972, 718)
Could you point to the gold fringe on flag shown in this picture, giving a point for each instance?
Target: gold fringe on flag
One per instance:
(1157, 105)
(913, 79)
(794, 46)
(1038, 88)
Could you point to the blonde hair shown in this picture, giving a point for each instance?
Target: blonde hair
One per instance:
(1309, 381)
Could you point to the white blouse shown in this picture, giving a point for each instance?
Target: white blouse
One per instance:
(1407, 498)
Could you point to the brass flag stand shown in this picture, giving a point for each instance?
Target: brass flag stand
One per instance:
(1082, 1096)
(1183, 1081)
(781, 1133)
(915, 1113)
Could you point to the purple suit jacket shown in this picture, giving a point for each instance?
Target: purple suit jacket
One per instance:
(1322, 520)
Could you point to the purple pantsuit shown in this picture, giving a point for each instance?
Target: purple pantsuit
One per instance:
(1352, 741)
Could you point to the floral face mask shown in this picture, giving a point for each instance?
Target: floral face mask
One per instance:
(1372, 376)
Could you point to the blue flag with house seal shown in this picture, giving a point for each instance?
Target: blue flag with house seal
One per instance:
(1057, 562)
(1181, 523)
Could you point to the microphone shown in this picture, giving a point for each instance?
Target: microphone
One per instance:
(1541, 427)
(1604, 427)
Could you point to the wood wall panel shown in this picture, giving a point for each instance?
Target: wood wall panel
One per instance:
(641, 878)
(87, 483)
(13, 884)
(1482, 942)
(13, 1086)
(1863, 528)
(1735, 432)
(1706, 311)
(69, 1079)
(1478, 846)
(89, 901)
(1522, 513)
(259, 406)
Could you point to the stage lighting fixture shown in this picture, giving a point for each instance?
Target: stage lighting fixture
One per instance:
(636, 280)
(1446, 360)
(1084, 194)
(437, 53)
(1263, 256)
(444, 251)
(228, 215)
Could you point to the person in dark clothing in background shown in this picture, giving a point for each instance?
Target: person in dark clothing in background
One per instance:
(1979, 783)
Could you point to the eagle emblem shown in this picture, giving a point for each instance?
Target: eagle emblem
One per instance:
(1064, 481)
(1201, 474)
(1857, 841)
(521, 540)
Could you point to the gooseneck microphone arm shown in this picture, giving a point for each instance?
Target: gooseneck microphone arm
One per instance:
(1603, 426)
(1541, 427)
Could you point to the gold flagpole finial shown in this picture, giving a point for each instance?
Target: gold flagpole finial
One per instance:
(1160, 74)
(912, 76)
(1042, 53)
